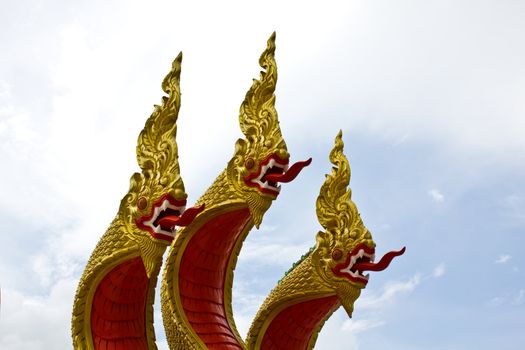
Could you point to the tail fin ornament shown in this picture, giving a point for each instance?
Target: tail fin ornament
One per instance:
(113, 306)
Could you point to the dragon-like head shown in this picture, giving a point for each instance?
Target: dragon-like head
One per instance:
(261, 159)
(156, 200)
(345, 249)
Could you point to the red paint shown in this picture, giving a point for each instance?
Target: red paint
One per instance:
(365, 265)
(182, 220)
(287, 176)
(337, 268)
(140, 221)
(202, 275)
(118, 313)
(248, 179)
(382, 264)
(290, 174)
(292, 328)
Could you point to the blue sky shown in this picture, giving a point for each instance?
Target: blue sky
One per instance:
(430, 98)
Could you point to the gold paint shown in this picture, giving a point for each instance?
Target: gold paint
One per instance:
(312, 277)
(157, 157)
(260, 126)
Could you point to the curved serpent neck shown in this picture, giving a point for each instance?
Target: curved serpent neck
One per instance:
(204, 254)
(113, 256)
(198, 275)
(302, 296)
(113, 306)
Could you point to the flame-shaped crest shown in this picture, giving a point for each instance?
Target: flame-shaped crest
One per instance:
(258, 117)
(335, 209)
(157, 153)
(338, 214)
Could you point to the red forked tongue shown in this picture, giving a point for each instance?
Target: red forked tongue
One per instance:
(184, 220)
(290, 174)
(381, 265)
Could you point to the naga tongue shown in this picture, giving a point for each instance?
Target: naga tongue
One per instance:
(184, 220)
(381, 265)
(291, 174)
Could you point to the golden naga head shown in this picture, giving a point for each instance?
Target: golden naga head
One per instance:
(261, 159)
(345, 249)
(156, 200)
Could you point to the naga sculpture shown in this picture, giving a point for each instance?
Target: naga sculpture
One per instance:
(113, 307)
(198, 275)
(328, 276)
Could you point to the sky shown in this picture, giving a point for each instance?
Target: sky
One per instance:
(430, 96)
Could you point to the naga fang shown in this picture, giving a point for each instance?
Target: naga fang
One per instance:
(198, 276)
(113, 307)
(327, 276)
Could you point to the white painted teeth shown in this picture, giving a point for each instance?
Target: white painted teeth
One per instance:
(361, 253)
(265, 168)
(158, 229)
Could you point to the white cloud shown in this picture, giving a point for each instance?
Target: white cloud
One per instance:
(17, 130)
(496, 301)
(436, 196)
(513, 298)
(520, 297)
(98, 72)
(273, 253)
(359, 326)
(390, 291)
(5, 90)
(439, 270)
(514, 206)
(31, 322)
(502, 259)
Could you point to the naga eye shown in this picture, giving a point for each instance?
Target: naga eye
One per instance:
(337, 254)
(249, 163)
(142, 203)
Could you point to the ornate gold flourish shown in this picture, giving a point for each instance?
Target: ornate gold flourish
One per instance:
(258, 117)
(156, 146)
(157, 156)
